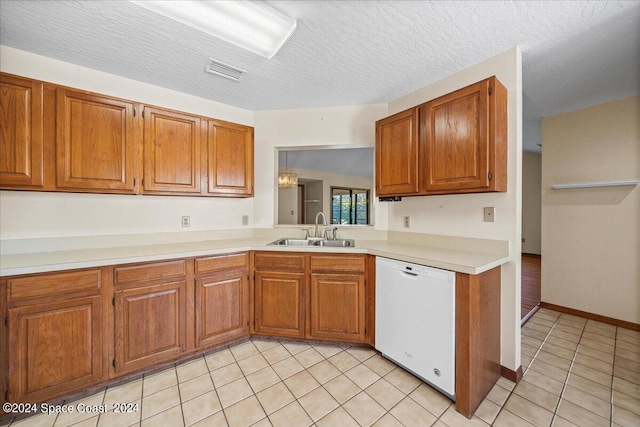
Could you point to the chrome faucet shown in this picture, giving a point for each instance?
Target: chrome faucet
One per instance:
(324, 223)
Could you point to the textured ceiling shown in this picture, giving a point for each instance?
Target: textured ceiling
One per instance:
(575, 53)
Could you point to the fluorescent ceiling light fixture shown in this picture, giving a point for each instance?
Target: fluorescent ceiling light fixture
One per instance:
(251, 25)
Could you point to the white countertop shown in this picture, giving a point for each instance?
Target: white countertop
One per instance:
(470, 262)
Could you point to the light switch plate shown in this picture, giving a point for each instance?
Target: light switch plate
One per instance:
(489, 214)
(245, 219)
(407, 221)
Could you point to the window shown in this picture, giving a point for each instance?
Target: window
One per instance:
(349, 206)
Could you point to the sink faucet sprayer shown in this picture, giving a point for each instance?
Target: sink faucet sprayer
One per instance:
(324, 223)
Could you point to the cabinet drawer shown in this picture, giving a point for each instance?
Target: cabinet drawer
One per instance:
(222, 262)
(278, 262)
(146, 272)
(53, 284)
(339, 263)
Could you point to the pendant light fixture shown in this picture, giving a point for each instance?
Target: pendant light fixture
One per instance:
(287, 179)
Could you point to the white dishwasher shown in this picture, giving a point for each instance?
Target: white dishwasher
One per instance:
(415, 320)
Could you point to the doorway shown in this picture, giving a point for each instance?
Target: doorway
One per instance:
(531, 289)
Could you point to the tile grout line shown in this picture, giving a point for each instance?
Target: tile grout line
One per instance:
(184, 421)
(564, 385)
(512, 391)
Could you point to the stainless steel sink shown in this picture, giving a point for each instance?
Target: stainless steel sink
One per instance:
(340, 243)
(291, 242)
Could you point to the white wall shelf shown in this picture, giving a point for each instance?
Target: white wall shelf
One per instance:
(623, 183)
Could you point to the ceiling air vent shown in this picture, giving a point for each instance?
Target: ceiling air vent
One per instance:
(224, 70)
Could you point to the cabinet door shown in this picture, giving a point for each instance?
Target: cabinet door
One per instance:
(95, 143)
(54, 348)
(279, 304)
(172, 152)
(397, 154)
(338, 307)
(456, 135)
(21, 134)
(150, 325)
(222, 308)
(230, 159)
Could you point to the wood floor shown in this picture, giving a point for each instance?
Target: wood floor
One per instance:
(530, 283)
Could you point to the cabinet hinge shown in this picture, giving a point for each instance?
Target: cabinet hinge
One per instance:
(134, 181)
(113, 301)
(490, 176)
(6, 395)
(134, 111)
(143, 113)
(114, 363)
(490, 90)
(6, 321)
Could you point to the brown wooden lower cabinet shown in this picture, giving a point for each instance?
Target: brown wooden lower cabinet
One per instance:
(54, 348)
(337, 307)
(477, 338)
(337, 296)
(55, 334)
(279, 304)
(222, 308)
(310, 296)
(64, 330)
(149, 325)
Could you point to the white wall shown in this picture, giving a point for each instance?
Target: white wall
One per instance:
(591, 237)
(350, 126)
(34, 214)
(462, 215)
(531, 202)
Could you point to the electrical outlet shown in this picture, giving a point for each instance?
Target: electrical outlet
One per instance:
(407, 221)
(186, 221)
(489, 214)
(245, 219)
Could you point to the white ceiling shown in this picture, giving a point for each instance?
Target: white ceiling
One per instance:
(575, 53)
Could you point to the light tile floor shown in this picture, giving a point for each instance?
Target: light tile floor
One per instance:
(577, 372)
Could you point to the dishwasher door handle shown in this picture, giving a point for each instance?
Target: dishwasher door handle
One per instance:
(409, 273)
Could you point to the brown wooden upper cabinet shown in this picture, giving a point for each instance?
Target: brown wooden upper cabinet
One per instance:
(95, 143)
(56, 138)
(21, 130)
(172, 151)
(461, 147)
(465, 139)
(397, 154)
(230, 159)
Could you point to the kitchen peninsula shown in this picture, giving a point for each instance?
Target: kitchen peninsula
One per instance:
(104, 285)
